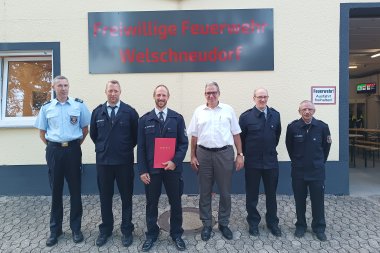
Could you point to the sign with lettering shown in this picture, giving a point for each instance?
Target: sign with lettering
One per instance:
(181, 41)
(323, 95)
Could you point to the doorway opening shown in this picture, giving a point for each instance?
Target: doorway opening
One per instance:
(363, 97)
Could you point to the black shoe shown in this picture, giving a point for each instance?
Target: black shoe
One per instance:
(299, 233)
(77, 237)
(254, 230)
(206, 233)
(275, 230)
(321, 236)
(126, 240)
(102, 239)
(179, 244)
(148, 244)
(53, 239)
(226, 232)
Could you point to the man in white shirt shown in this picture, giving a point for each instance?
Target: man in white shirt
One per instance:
(214, 128)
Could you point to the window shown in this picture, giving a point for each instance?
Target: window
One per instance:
(26, 77)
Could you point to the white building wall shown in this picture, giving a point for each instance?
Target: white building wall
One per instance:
(306, 49)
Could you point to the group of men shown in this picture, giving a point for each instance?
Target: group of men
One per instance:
(115, 128)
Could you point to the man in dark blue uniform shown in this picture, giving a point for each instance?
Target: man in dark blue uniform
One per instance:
(308, 142)
(114, 132)
(162, 122)
(63, 124)
(261, 130)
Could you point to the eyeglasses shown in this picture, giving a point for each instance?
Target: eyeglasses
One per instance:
(307, 109)
(262, 97)
(213, 93)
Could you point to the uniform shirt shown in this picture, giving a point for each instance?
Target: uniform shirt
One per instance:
(260, 138)
(308, 146)
(265, 111)
(63, 122)
(150, 129)
(109, 109)
(215, 127)
(165, 112)
(114, 142)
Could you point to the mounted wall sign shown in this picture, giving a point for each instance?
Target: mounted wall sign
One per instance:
(180, 41)
(323, 95)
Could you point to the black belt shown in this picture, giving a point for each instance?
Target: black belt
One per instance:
(214, 149)
(65, 143)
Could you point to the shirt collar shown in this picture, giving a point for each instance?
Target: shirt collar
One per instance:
(69, 100)
(264, 111)
(220, 105)
(117, 104)
(165, 111)
(312, 122)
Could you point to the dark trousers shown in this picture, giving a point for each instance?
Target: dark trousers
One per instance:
(252, 186)
(124, 175)
(65, 163)
(317, 196)
(174, 188)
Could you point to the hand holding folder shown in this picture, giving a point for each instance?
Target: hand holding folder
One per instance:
(164, 150)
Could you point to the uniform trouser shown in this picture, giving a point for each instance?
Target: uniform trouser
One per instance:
(317, 195)
(65, 163)
(215, 167)
(174, 188)
(124, 176)
(252, 186)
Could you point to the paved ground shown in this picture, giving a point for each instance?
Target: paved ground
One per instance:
(353, 225)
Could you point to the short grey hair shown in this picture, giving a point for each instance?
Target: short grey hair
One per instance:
(212, 84)
(57, 78)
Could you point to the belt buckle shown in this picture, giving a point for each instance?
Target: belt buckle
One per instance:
(65, 144)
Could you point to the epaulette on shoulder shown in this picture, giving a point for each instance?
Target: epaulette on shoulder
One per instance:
(78, 100)
(322, 122)
(294, 121)
(47, 102)
(273, 109)
(247, 111)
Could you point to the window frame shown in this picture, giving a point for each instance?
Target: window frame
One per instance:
(25, 120)
(21, 50)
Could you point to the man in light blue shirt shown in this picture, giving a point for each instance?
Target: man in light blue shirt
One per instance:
(63, 124)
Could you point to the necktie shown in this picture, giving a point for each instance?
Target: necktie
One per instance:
(112, 114)
(161, 117)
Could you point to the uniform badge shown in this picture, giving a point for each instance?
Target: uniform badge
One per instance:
(73, 119)
(329, 139)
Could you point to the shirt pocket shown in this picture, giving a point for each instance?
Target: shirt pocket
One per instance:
(74, 116)
(253, 128)
(171, 132)
(274, 127)
(298, 138)
(150, 130)
(100, 123)
(123, 123)
(52, 118)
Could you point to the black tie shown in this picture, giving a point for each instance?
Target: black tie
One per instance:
(161, 117)
(112, 114)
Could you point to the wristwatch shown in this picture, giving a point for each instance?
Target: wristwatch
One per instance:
(241, 154)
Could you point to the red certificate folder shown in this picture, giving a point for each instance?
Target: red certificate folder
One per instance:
(164, 150)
